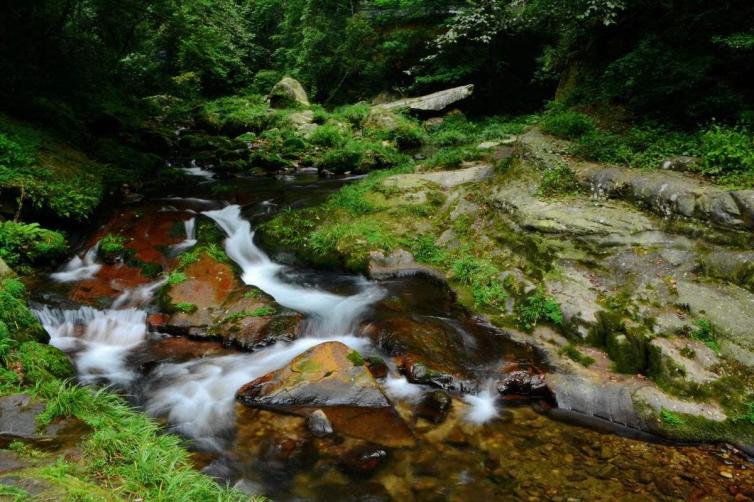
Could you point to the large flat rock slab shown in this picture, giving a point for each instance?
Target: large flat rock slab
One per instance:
(445, 179)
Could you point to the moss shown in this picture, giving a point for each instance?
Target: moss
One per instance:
(41, 362)
(16, 316)
(185, 307)
(538, 307)
(355, 358)
(574, 354)
(258, 312)
(628, 351)
(175, 278)
(112, 248)
(30, 244)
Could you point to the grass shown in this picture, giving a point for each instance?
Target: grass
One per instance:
(258, 312)
(704, 332)
(572, 353)
(127, 451)
(671, 419)
(185, 307)
(176, 277)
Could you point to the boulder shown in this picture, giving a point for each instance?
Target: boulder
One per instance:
(380, 119)
(325, 375)
(434, 102)
(471, 173)
(288, 93)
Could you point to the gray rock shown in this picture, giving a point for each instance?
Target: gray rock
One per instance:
(288, 92)
(436, 101)
(745, 201)
(681, 163)
(5, 270)
(578, 299)
(474, 173)
(18, 414)
(319, 424)
(697, 369)
(380, 119)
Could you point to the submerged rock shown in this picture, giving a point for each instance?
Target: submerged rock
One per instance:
(319, 424)
(326, 375)
(363, 459)
(435, 406)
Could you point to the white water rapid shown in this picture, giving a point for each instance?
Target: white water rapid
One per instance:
(99, 340)
(79, 267)
(331, 314)
(190, 241)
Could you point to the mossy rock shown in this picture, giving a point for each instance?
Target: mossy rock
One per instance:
(288, 93)
(41, 362)
(21, 323)
(628, 351)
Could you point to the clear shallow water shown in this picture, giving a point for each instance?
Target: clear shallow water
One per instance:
(486, 448)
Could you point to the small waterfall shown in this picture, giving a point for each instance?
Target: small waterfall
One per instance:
(196, 170)
(331, 314)
(198, 396)
(190, 241)
(138, 296)
(79, 268)
(100, 340)
(482, 407)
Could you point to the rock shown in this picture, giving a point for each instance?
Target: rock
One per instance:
(669, 360)
(382, 120)
(303, 122)
(288, 93)
(18, 414)
(578, 299)
(5, 270)
(681, 163)
(377, 367)
(729, 308)
(733, 266)
(322, 376)
(473, 173)
(319, 424)
(400, 263)
(431, 102)
(745, 201)
(488, 145)
(435, 406)
(363, 460)
(522, 383)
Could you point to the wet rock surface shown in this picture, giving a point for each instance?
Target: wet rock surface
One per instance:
(326, 375)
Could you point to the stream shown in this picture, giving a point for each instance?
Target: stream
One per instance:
(486, 446)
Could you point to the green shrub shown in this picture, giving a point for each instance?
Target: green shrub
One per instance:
(330, 136)
(727, 150)
(567, 124)
(355, 114)
(112, 248)
(175, 278)
(28, 243)
(538, 307)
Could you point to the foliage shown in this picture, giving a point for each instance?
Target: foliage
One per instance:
(126, 450)
(185, 307)
(727, 150)
(567, 124)
(355, 358)
(559, 179)
(29, 244)
(482, 276)
(538, 307)
(574, 354)
(41, 362)
(176, 277)
(258, 312)
(15, 315)
(704, 332)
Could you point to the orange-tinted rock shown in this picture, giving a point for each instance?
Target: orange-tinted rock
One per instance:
(156, 321)
(322, 376)
(109, 283)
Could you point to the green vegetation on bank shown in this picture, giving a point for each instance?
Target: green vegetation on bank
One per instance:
(124, 451)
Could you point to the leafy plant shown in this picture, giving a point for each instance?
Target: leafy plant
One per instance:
(704, 332)
(538, 307)
(567, 124)
(28, 243)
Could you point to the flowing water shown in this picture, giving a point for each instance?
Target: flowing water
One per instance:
(486, 447)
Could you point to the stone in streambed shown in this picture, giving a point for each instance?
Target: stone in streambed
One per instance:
(363, 459)
(522, 383)
(319, 424)
(434, 407)
(322, 376)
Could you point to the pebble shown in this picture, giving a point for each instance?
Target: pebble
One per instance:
(726, 474)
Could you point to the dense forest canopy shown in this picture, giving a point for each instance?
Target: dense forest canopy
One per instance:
(687, 60)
